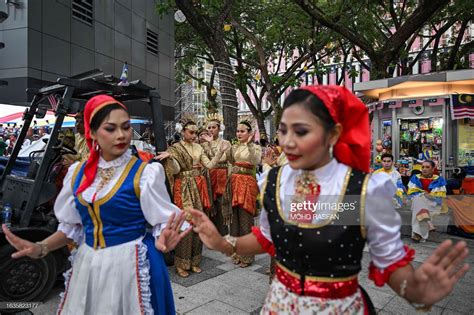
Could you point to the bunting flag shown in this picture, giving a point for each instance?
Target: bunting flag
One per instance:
(53, 101)
(425, 63)
(415, 103)
(436, 101)
(124, 75)
(462, 106)
(394, 104)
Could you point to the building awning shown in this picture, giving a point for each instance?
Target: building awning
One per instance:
(419, 85)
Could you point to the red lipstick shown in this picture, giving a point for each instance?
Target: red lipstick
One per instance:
(292, 157)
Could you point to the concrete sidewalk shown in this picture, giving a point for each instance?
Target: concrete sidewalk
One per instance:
(224, 288)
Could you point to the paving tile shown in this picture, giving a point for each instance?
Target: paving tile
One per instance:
(209, 270)
(216, 307)
(214, 255)
(186, 300)
(379, 299)
(453, 312)
(256, 312)
(263, 261)
(240, 288)
(398, 306)
(228, 266)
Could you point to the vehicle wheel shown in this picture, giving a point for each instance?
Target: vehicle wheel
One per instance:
(25, 279)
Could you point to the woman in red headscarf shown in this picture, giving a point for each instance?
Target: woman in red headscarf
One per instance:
(104, 206)
(320, 209)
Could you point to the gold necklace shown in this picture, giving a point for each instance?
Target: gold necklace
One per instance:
(106, 175)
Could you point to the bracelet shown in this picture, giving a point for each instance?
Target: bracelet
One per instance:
(416, 306)
(232, 241)
(44, 249)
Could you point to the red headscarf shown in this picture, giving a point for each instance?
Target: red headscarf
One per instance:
(353, 146)
(93, 106)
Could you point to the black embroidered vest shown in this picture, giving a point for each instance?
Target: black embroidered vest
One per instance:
(331, 249)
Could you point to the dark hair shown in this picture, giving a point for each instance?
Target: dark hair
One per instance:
(312, 103)
(246, 124)
(433, 164)
(189, 123)
(100, 116)
(387, 155)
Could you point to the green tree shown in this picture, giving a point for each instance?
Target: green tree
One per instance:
(379, 28)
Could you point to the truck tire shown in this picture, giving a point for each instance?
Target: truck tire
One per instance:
(25, 279)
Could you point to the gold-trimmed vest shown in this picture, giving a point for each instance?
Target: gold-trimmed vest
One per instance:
(331, 249)
(117, 217)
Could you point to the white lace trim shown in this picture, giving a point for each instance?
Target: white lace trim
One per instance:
(74, 232)
(67, 277)
(143, 277)
(121, 160)
(119, 163)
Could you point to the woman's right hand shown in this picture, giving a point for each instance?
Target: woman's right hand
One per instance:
(207, 230)
(23, 247)
(269, 157)
(162, 155)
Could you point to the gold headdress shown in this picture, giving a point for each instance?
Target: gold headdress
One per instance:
(187, 121)
(217, 118)
(247, 122)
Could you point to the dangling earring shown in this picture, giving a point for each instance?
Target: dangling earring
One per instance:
(331, 152)
(95, 145)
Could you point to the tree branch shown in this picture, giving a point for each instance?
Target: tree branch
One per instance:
(457, 44)
(319, 16)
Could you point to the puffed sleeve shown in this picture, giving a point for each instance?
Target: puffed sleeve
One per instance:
(262, 232)
(154, 198)
(383, 223)
(70, 222)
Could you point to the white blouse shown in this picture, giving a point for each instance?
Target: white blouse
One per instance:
(154, 199)
(382, 221)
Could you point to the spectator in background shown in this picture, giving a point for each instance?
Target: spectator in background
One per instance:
(11, 143)
(46, 128)
(80, 144)
(2, 130)
(35, 127)
(3, 146)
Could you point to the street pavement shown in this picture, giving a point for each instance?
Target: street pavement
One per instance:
(224, 288)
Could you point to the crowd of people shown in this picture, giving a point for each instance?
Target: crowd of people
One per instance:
(206, 190)
(10, 131)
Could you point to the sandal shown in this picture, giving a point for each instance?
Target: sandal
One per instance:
(235, 260)
(182, 273)
(417, 238)
(196, 269)
(244, 265)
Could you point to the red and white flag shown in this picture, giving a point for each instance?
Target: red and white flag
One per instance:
(436, 101)
(394, 104)
(53, 101)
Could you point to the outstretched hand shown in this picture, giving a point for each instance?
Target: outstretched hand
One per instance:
(269, 157)
(436, 277)
(206, 229)
(171, 235)
(162, 155)
(23, 247)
